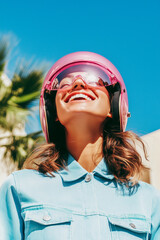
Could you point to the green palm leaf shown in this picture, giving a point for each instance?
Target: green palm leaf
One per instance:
(26, 87)
(3, 54)
(16, 99)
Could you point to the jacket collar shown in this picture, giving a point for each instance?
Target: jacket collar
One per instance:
(75, 171)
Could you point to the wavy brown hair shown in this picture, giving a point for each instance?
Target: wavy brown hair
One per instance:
(119, 150)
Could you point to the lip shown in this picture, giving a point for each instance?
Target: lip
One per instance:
(79, 92)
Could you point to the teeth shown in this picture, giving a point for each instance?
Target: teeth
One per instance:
(79, 96)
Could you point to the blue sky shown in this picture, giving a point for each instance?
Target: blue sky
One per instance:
(125, 32)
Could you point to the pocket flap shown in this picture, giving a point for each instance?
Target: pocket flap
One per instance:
(136, 223)
(47, 216)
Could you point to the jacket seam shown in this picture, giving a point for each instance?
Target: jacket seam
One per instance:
(16, 187)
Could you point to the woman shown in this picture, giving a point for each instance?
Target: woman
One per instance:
(83, 183)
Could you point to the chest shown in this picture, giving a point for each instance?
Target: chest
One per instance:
(85, 210)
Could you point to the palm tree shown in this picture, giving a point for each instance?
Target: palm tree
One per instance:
(16, 97)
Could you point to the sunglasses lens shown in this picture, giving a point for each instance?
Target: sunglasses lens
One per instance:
(92, 75)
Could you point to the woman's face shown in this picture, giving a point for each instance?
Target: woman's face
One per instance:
(81, 100)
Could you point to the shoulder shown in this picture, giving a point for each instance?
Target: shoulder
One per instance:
(12, 180)
(151, 194)
(149, 189)
(7, 184)
(26, 174)
(30, 173)
(26, 177)
(19, 175)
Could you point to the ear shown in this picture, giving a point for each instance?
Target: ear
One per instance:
(56, 119)
(109, 115)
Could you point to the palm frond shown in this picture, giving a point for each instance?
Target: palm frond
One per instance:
(26, 87)
(3, 54)
(21, 146)
(17, 98)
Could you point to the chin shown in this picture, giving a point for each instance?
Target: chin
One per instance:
(82, 117)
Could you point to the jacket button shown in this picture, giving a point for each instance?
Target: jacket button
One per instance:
(132, 225)
(46, 217)
(88, 177)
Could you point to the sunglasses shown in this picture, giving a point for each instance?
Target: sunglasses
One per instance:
(90, 74)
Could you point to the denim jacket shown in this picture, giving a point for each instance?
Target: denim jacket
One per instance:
(77, 205)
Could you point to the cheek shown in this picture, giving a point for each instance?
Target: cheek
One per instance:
(61, 108)
(104, 105)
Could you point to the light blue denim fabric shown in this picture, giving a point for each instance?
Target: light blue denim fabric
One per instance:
(77, 205)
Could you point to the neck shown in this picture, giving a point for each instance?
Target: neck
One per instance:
(85, 146)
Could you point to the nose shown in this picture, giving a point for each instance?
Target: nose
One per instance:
(79, 83)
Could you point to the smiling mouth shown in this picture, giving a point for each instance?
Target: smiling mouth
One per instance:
(79, 96)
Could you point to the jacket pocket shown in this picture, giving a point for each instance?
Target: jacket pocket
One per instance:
(46, 224)
(129, 227)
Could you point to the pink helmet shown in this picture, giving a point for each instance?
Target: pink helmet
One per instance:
(119, 102)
